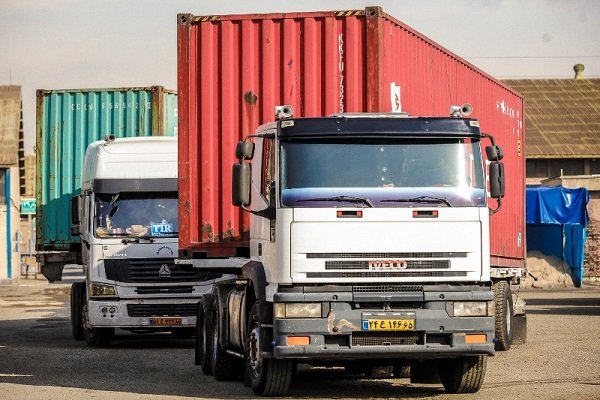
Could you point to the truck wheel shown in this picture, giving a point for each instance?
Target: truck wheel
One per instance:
(204, 334)
(504, 315)
(77, 299)
(463, 374)
(96, 337)
(224, 366)
(268, 376)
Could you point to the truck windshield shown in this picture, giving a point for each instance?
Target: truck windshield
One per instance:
(136, 214)
(386, 173)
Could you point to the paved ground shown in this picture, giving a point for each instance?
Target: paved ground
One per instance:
(39, 360)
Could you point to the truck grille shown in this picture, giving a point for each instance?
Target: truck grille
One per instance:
(384, 339)
(150, 270)
(388, 255)
(386, 288)
(164, 289)
(410, 264)
(381, 274)
(162, 310)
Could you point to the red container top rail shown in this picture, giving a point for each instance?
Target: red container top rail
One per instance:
(233, 70)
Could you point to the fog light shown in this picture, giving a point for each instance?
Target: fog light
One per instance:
(112, 310)
(475, 338)
(471, 308)
(297, 310)
(99, 289)
(298, 340)
(104, 310)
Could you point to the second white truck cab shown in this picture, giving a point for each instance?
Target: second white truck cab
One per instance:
(127, 219)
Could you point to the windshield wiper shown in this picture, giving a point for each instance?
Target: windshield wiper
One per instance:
(420, 199)
(349, 199)
(136, 239)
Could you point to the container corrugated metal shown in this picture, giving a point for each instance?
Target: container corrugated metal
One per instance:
(10, 124)
(232, 71)
(67, 122)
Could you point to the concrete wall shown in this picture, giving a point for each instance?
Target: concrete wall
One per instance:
(15, 216)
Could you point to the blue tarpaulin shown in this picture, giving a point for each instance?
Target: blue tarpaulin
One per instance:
(557, 205)
(556, 220)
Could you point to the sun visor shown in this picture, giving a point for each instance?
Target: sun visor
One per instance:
(135, 185)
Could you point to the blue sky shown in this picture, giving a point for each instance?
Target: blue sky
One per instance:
(64, 44)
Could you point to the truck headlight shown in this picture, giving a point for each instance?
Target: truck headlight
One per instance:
(473, 308)
(100, 289)
(297, 310)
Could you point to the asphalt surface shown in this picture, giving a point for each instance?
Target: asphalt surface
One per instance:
(40, 360)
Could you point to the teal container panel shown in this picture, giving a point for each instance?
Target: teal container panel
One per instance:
(170, 118)
(67, 122)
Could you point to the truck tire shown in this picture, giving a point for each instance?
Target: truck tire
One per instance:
(204, 334)
(77, 299)
(224, 366)
(96, 337)
(463, 374)
(504, 315)
(268, 376)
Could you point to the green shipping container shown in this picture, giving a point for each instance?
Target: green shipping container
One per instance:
(67, 122)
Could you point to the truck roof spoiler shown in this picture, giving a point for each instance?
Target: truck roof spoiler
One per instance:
(372, 115)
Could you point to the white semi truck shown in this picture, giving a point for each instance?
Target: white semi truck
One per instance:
(369, 247)
(126, 216)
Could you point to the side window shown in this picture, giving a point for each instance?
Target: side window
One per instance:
(267, 179)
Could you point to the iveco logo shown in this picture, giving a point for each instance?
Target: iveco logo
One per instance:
(164, 271)
(387, 264)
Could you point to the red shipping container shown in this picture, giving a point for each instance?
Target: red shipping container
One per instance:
(233, 70)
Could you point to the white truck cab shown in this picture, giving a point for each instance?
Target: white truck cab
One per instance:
(369, 247)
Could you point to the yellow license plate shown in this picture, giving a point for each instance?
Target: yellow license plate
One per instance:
(165, 321)
(388, 325)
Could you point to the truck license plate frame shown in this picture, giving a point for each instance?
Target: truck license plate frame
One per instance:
(166, 321)
(388, 322)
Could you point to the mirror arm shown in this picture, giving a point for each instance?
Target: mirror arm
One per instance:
(495, 210)
(268, 213)
(488, 136)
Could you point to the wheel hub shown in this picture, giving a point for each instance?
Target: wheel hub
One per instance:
(254, 357)
(508, 316)
(85, 318)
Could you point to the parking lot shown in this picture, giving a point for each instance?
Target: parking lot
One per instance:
(40, 360)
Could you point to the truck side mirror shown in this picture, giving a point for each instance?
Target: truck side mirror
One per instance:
(244, 150)
(496, 179)
(76, 203)
(241, 178)
(494, 153)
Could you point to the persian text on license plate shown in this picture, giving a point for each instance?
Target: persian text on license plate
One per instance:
(388, 325)
(165, 321)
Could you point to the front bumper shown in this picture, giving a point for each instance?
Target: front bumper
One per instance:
(143, 314)
(340, 333)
